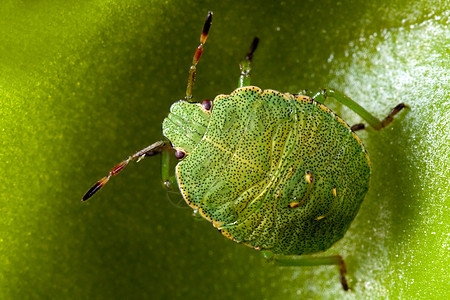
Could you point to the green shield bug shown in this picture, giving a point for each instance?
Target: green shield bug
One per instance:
(275, 171)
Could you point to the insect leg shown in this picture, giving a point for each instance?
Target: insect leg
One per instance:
(307, 260)
(246, 64)
(322, 95)
(358, 126)
(197, 55)
(168, 178)
(151, 150)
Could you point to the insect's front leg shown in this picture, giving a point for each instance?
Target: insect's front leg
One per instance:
(307, 260)
(168, 177)
(246, 65)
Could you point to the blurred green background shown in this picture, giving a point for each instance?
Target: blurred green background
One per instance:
(83, 84)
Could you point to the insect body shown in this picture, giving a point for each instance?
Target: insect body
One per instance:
(277, 172)
(272, 170)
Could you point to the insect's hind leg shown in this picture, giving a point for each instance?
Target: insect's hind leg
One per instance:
(308, 260)
(322, 95)
(246, 65)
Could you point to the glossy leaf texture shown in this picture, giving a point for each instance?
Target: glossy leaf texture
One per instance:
(85, 84)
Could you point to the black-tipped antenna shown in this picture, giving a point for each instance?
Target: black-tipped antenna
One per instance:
(197, 55)
(149, 151)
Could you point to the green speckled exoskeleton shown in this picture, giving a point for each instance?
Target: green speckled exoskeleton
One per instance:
(275, 171)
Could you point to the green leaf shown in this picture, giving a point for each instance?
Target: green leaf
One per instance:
(84, 84)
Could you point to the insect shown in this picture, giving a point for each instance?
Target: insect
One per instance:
(275, 171)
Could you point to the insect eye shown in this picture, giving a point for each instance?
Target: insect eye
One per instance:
(179, 154)
(207, 104)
